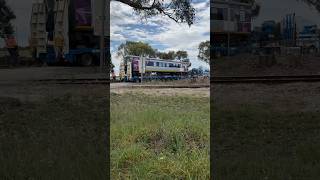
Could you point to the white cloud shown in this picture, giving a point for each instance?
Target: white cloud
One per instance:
(171, 35)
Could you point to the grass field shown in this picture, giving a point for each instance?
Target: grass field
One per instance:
(254, 143)
(53, 138)
(62, 135)
(159, 137)
(267, 132)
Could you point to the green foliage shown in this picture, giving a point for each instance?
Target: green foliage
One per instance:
(135, 49)
(111, 64)
(144, 49)
(258, 142)
(181, 11)
(161, 137)
(313, 3)
(256, 7)
(204, 51)
(168, 55)
(54, 137)
(6, 15)
(181, 55)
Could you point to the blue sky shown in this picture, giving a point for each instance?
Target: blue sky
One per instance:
(160, 32)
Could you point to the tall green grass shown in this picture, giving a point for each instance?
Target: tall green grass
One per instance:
(54, 138)
(257, 142)
(159, 137)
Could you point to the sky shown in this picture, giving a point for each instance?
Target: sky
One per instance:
(160, 32)
(277, 9)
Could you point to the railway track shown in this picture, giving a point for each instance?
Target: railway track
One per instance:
(264, 79)
(75, 81)
(106, 81)
(214, 80)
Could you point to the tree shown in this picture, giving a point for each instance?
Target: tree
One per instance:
(196, 71)
(166, 55)
(181, 11)
(135, 49)
(181, 55)
(200, 70)
(313, 3)
(6, 15)
(144, 49)
(204, 51)
(256, 7)
(111, 64)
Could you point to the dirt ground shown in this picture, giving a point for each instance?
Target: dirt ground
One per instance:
(37, 92)
(198, 92)
(36, 73)
(298, 97)
(282, 97)
(249, 65)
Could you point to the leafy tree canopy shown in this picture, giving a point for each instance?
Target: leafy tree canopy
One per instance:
(181, 11)
(6, 15)
(181, 55)
(135, 49)
(166, 55)
(204, 51)
(256, 6)
(144, 49)
(313, 3)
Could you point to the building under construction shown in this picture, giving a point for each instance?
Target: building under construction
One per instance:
(230, 25)
(66, 31)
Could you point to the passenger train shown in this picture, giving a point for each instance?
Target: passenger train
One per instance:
(135, 68)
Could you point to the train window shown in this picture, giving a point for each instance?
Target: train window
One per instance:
(149, 63)
(158, 64)
(165, 64)
(171, 65)
(179, 65)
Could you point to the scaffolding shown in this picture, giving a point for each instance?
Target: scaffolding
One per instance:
(38, 37)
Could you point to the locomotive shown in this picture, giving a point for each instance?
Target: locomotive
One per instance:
(136, 68)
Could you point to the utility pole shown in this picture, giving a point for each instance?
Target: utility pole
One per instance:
(142, 67)
(102, 39)
(228, 30)
(181, 67)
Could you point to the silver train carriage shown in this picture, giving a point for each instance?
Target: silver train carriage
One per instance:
(133, 68)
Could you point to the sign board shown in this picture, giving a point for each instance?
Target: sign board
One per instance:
(83, 12)
(97, 15)
(135, 63)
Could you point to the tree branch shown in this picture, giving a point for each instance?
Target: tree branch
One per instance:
(138, 5)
